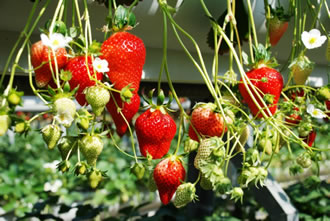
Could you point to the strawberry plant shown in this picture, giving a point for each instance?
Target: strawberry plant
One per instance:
(251, 102)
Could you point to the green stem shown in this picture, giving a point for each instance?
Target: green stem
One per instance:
(252, 23)
(267, 13)
(36, 116)
(132, 5)
(128, 126)
(179, 134)
(164, 52)
(30, 77)
(120, 150)
(21, 36)
(78, 16)
(20, 51)
(57, 10)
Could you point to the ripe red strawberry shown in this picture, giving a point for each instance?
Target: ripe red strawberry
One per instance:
(268, 82)
(77, 67)
(129, 109)
(39, 60)
(277, 28)
(206, 121)
(155, 130)
(125, 54)
(310, 138)
(294, 118)
(168, 175)
(278, 24)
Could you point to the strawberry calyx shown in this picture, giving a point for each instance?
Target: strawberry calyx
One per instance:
(126, 93)
(279, 13)
(160, 104)
(262, 58)
(123, 19)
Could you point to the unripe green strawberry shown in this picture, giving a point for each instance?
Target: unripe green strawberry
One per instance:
(243, 137)
(304, 128)
(81, 168)
(190, 145)
(83, 118)
(97, 96)
(64, 166)
(205, 149)
(185, 194)
(21, 127)
(138, 170)
(266, 144)
(4, 123)
(91, 147)
(65, 110)
(94, 178)
(301, 68)
(51, 134)
(205, 183)
(14, 97)
(65, 145)
(304, 160)
(237, 194)
(224, 185)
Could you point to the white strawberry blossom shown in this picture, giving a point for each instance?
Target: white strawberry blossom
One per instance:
(313, 39)
(55, 40)
(53, 186)
(51, 166)
(314, 112)
(65, 110)
(101, 65)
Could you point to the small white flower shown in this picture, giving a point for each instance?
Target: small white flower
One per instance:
(101, 65)
(314, 112)
(55, 40)
(51, 166)
(64, 117)
(53, 186)
(313, 39)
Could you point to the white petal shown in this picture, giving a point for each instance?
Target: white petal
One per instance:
(57, 183)
(68, 39)
(322, 39)
(47, 186)
(45, 40)
(310, 109)
(315, 32)
(319, 114)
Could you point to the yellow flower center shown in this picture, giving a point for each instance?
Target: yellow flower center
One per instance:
(315, 112)
(56, 42)
(99, 66)
(312, 40)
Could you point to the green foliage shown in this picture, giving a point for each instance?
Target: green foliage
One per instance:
(23, 179)
(312, 203)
